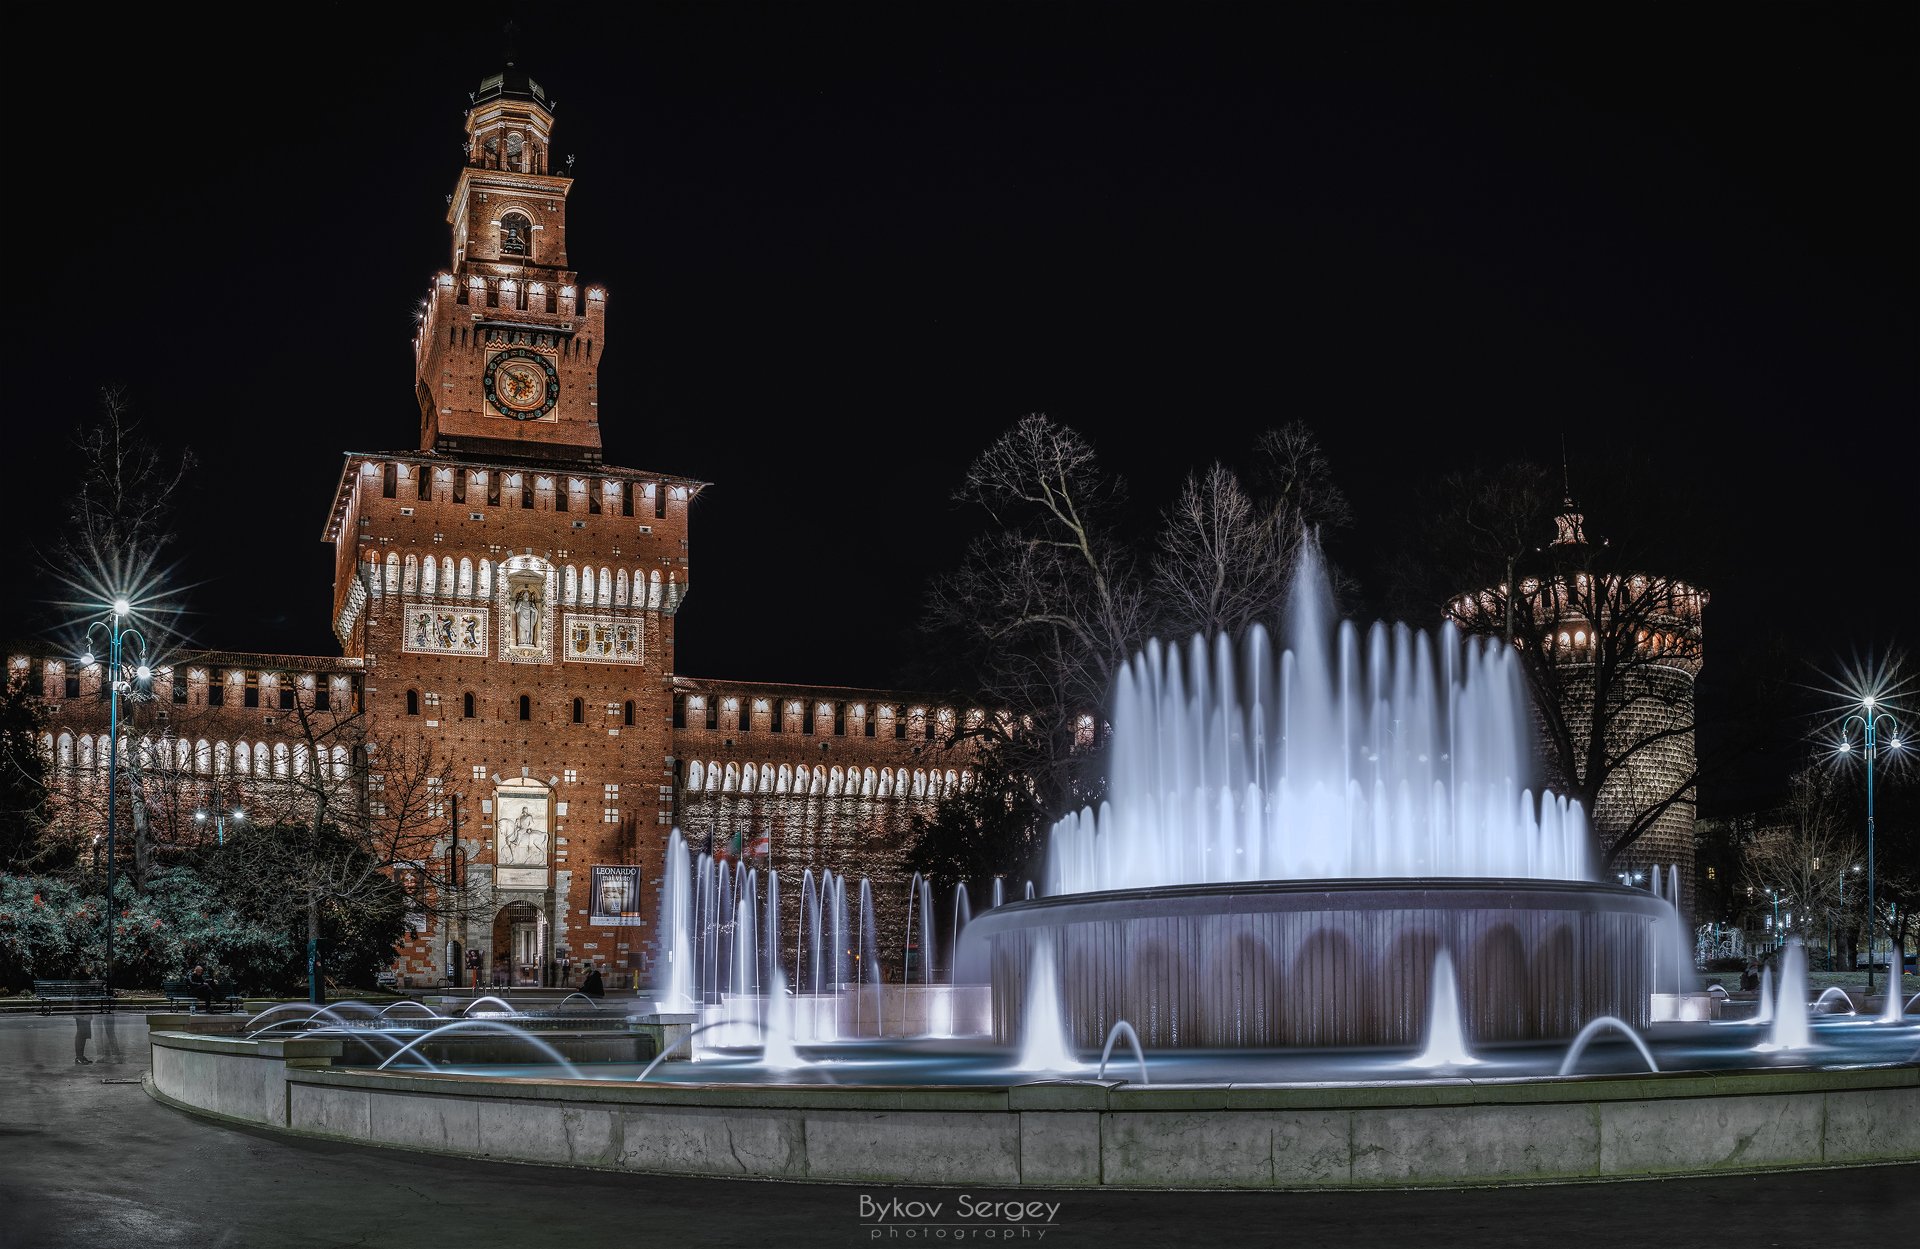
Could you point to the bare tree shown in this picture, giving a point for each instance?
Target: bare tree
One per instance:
(1053, 600)
(1227, 554)
(119, 516)
(1047, 605)
(1809, 861)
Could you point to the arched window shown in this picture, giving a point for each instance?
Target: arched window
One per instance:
(516, 232)
(63, 760)
(570, 585)
(261, 762)
(389, 481)
(620, 589)
(466, 704)
(222, 758)
(393, 571)
(410, 575)
(526, 707)
(579, 711)
(242, 758)
(627, 712)
(446, 575)
(429, 575)
(280, 757)
(466, 578)
(516, 151)
(484, 587)
(606, 588)
(339, 763)
(586, 586)
(413, 702)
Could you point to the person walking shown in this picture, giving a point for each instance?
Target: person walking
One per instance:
(592, 985)
(82, 1033)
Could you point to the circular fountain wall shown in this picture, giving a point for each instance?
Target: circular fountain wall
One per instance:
(1323, 962)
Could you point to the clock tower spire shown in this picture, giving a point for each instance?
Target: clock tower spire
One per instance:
(508, 350)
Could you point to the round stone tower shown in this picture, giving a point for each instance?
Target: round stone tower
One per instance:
(1610, 653)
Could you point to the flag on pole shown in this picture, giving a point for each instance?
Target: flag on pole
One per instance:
(762, 845)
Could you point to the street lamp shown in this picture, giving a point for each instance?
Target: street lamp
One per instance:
(117, 634)
(220, 821)
(1871, 720)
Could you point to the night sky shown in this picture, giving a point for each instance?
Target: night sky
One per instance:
(846, 247)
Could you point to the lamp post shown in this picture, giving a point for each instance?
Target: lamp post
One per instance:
(117, 634)
(219, 821)
(1871, 720)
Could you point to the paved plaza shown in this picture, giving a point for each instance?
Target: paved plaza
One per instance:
(87, 1159)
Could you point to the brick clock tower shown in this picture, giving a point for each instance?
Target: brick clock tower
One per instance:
(511, 596)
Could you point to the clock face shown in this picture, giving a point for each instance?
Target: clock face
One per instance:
(521, 384)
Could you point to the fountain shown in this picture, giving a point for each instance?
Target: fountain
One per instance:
(1790, 1029)
(1292, 840)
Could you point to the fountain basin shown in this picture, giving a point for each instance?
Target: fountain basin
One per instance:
(1076, 1132)
(1323, 962)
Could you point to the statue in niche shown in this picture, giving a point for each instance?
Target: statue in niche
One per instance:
(526, 618)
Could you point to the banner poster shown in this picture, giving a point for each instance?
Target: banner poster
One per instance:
(616, 896)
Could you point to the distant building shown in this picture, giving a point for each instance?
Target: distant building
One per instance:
(503, 593)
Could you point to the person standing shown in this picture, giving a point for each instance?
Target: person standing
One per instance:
(592, 985)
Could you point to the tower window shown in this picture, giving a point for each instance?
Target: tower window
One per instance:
(286, 698)
(526, 491)
(179, 686)
(626, 498)
(413, 702)
(626, 713)
(71, 686)
(459, 485)
(322, 700)
(593, 499)
(746, 715)
(560, 496)
(713, 713)
(579, 711)
(390, 482)
(251, 698)
(466, 705)
(493, 490)
(526, 707)
(659, 499)
(216, 687)
(839, 719)
(425, 480)
(679, 711)
(516, 232)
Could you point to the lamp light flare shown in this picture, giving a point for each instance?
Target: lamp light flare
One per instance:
(143, 672)
(121, 607)
(86, 659)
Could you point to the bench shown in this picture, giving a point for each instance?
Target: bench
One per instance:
(180, 992)
(50, 993)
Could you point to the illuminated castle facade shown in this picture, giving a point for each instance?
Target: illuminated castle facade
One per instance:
(505, 603)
